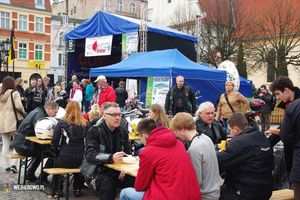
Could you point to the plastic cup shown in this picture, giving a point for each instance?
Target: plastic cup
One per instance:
(223, 144)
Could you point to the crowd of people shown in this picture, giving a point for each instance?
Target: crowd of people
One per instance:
(179, 158)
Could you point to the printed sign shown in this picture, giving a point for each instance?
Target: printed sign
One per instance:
(98, 46)
(129, 44)
(157, 90)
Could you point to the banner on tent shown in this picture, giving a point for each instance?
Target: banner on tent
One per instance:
(157, 89)
(129, 44)
(98, 46)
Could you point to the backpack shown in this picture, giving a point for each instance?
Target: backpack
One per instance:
(273, 102)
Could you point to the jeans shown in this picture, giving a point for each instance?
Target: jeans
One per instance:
(131, 194)
(265, 122)
(225, 124)
(86, 106)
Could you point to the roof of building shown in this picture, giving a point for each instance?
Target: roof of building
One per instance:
(28, 4)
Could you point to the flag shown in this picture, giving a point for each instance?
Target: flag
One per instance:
(11, 56)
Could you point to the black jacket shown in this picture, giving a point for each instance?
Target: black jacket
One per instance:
(267, 99)
(23, 146)
(248, 162)
(21, 90)
(70, 138)
(121, 96)
(274, 139)
(100, 148)
(188, 96)
(29, 95)
(290, 135)
(216, 133)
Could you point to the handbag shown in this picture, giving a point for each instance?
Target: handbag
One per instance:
(19, 121)
(87, 170)
(226, 97)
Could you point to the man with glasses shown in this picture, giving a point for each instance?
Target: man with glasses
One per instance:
(107, 142)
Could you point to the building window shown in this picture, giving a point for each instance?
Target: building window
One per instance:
(72, 12)
(39, 2)
(271, 66)
(60, 38)
(4, 16)
(39, 24)
(119, 6)
(169, 1)
(60, 59)
(23, 22)
(132, 8)
(38, 52)
(22, 51)
(74, 9)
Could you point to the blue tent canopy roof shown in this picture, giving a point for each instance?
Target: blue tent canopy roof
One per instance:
(164, 63)
(103, 23)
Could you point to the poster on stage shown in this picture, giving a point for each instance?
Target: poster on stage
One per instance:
(129, 44)
(131, 87)
(160, 88)
(98, 46)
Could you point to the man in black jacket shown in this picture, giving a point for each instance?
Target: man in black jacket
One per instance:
(29, 92)
(266, 111)
(248, 162)
(180, 98)
(290, 136)
(206, 124)
(121, 95)
(285, 91)
(106, 143)
(31, 149)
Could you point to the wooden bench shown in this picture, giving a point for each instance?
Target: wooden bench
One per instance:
(24, 161)
(285, 194)
(65, 172)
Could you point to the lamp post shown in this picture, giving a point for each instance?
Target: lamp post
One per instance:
(4, 49)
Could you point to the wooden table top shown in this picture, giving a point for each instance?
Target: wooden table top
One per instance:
(284, 194)
(130, 169)
(39, 141)
(137, 137)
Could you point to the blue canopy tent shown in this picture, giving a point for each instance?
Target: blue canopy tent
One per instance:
(167, 63)
(101, 24)
(245, 87)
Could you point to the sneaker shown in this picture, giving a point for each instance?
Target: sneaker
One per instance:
(61, 194)
(77, 193)
(13, 168)
(7, 169)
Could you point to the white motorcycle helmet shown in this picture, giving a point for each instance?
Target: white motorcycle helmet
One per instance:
(60, 114)
(44, 127)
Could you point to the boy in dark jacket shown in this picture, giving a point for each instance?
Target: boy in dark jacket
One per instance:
(248, 162)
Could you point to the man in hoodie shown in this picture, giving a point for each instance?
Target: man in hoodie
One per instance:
(165, 170)
(121, 95)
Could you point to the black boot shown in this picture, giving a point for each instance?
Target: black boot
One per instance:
(32, 168)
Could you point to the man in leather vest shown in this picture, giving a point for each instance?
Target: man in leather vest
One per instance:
(206, 124)
(180, 98)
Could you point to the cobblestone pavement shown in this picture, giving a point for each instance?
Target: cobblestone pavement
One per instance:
(12, 179)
